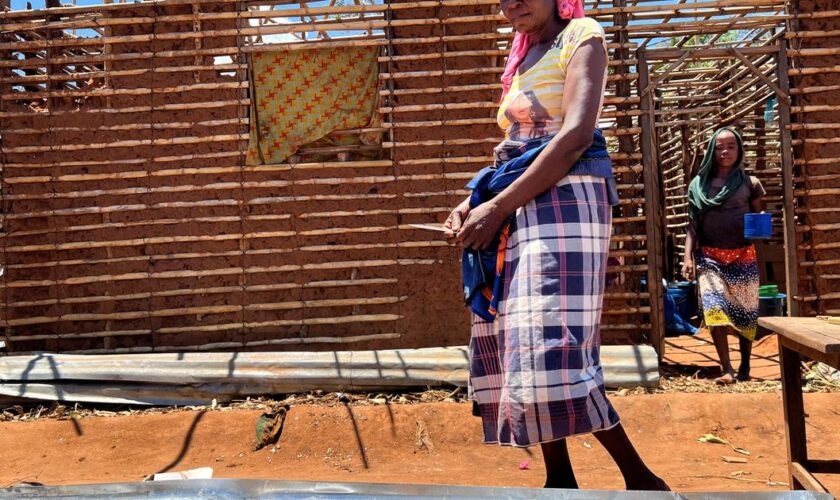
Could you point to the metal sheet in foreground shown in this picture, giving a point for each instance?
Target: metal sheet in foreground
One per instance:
(250, 488)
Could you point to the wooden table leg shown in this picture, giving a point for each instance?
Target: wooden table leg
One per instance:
(794, 409)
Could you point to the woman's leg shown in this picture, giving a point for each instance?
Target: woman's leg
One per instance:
(558, 466)
(745, 346)
(719, 335)
(637, 475)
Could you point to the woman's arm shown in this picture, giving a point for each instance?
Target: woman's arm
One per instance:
(758, 192)
(456, 219)
(582, 95)
(688, 258)
(756, 205)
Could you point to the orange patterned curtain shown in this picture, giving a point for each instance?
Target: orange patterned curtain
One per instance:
(300, 96)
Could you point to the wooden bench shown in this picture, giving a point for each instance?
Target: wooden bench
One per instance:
(820, 341)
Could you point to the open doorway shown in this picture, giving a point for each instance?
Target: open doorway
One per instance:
(690, 92)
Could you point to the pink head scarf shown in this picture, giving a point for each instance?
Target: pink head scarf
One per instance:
(568, 9)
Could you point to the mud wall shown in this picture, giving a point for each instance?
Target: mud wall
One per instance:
(123, 185)
(132, 222)
(815, 80)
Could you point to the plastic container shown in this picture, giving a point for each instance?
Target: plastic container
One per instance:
(685, 298)
(771, 306)
(680, 306)
(758, 226)
(769, 291)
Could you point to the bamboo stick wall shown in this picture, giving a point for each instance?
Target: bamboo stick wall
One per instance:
(813, 37)
(133, 223)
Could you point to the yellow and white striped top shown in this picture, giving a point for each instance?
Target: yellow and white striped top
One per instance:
(534, 105)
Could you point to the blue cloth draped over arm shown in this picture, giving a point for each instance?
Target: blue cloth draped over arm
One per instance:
(482, 270)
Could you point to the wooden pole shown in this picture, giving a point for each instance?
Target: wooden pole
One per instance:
(783, 96)
(4, 73)
(653, 210)
(791, 256)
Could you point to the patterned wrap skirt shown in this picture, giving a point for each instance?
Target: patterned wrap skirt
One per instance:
(728, 280)
(535, 372)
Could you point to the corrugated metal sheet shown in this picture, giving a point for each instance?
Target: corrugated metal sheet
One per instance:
(252, 488)
(191, 378)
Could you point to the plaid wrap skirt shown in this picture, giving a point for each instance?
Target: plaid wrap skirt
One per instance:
(535, 372)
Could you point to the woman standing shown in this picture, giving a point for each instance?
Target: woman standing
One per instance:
(535, 370)
(718, 198)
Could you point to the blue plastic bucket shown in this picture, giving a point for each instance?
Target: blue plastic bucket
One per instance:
(685, 299)
(680, 306)
(758, 226)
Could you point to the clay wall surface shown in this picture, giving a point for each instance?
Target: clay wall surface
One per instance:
(815, 83)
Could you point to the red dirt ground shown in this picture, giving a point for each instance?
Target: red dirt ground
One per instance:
(692, 354)
(378, 443)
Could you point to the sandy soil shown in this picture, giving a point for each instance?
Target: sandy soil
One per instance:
(378, 443)
(697, 355)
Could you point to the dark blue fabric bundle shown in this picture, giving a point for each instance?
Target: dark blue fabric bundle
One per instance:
(482, 270)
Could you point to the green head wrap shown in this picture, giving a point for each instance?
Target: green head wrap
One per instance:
(698, 202)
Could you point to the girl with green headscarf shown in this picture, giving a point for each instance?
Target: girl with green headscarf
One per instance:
(725, 261)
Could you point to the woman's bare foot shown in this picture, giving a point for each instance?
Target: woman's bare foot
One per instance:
(650, 483)
(662, 485)
(726, 379)
(561, 485)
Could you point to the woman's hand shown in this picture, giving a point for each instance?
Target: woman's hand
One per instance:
(456, 219)
(481, 226)
(688, 269)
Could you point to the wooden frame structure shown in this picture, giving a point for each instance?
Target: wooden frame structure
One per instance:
(132, 223)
